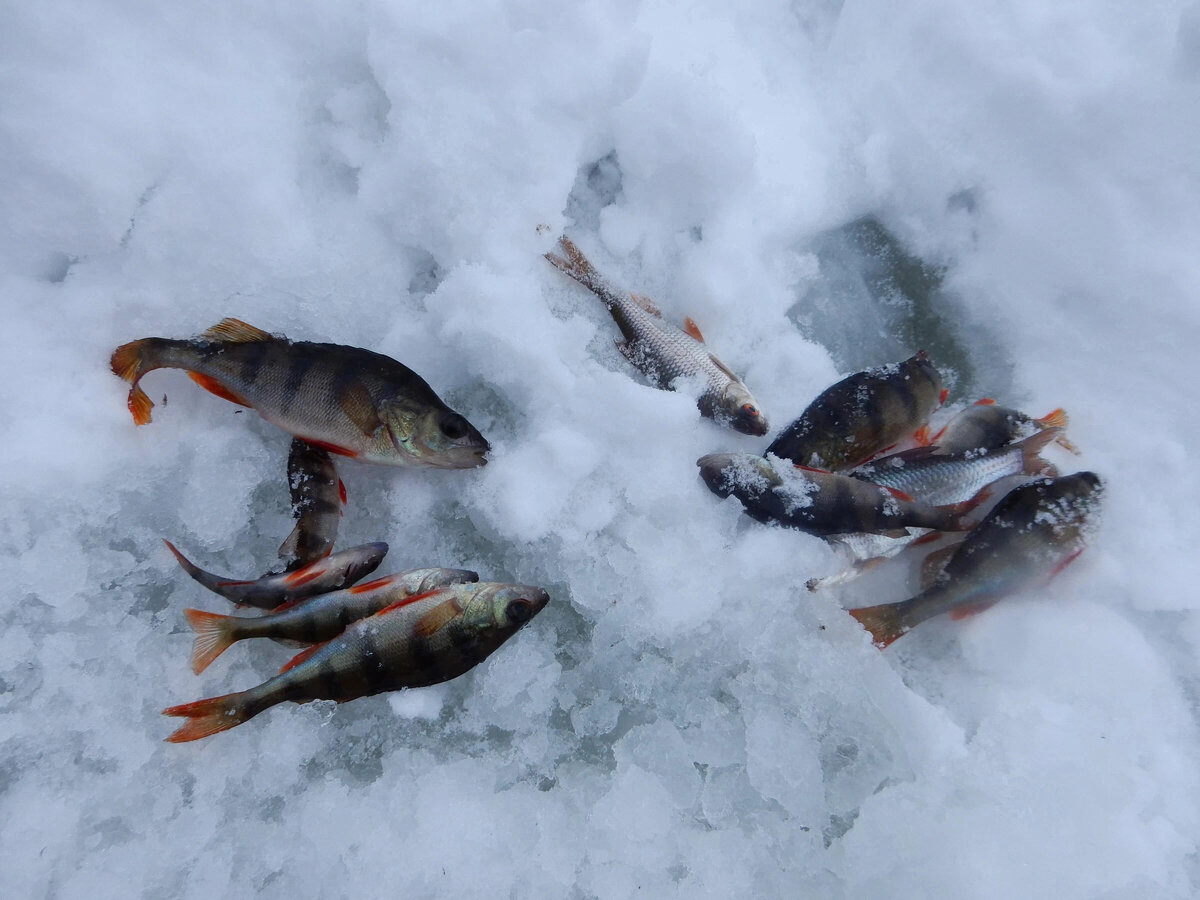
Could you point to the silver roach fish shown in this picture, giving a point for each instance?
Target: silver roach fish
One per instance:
(434, 639)
(318, 496)
(986, 426)
(824, 503)
(343, 399)
(863, 414)
(318, 618)
(664, 352)
(1035, 531)
(338, 570)
(925, 475)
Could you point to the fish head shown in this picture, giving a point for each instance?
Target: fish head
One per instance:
(501, 609)
(436, 437)
(738, 409)
(740, 474)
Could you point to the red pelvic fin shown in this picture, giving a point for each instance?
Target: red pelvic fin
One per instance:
(305, 574)
(406, 602)
(943, 395)
(332, 448)
(691, 329)
(372, 585)
(342, 491)
(899, 494)
(213, 386)
(300, 657)
(985, 401)
(922, 436)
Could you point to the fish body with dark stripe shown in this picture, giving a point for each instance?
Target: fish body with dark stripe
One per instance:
(317, 618)
(862, 414)
(1033, 532)
(666, 353)
(822, 503)
(439, 637)
(347, 400)
(317, 499)
(329, 573)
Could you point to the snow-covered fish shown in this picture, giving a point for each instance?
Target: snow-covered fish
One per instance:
(1034, 531)
(824, 503)
(346, 400)
(318, 496)
(329, 573)
(431, 640)
(932, 478)
(862, 415)
(316, 619)
(664, 352)
(986, 426)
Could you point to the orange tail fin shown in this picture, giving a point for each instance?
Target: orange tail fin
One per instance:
(883, 622)
(1031, 448)
(129, 363)
(206, 717)
(1057, 418)
(214, 635)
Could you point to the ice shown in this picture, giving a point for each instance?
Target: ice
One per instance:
(823, 186)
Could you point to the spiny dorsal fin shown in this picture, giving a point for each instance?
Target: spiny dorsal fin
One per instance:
(691, 329)
(235, 331)
(646, 303)
(433, 621)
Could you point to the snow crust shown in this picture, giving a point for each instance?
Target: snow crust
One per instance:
(684, 719)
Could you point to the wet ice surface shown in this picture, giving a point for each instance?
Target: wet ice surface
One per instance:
(684, 718)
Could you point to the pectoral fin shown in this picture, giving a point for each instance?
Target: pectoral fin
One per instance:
(437, 618)
(358, 405)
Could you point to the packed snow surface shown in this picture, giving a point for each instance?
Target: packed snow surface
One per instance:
(823, 186)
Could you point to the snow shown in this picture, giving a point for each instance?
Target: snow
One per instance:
(823, 186)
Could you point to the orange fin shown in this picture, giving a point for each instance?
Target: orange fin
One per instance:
(213, 637)
(341, 492)
(433, 621)
(899, 494)
(985, 401)
(213, 386)
(883, 622)
(206, 717)
(300, 657)
(970, 609)
(286, 605)
(1056, 418)
(691, 329)
(922, 436)
(235, 331)
(359, 406)
(646, 303)
(927, 538)
(943, 395)
(407, 601)
(1064, 562)
(126, 363)
(371, 585)
(332, 448)
(305, 574)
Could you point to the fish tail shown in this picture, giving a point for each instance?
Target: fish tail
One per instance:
(130, 362)
(207, 579)
(207, 717)
(885, 622)
(214, 635)
(1031, 448)
(1057, 418)
(579, 267)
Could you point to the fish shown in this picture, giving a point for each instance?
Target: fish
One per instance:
(318, 496)
(407, 645)
(665, 353)
(862, 415)
(1034, 532)
(346, 400)
(329, 573)
(318, 618)
(986, 426)
(925, 475)
(824, 503)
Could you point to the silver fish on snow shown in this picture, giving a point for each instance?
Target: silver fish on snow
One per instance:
(665, 353)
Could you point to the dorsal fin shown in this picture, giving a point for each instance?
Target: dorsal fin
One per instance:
(235, 331)
(691, 329)
(724, 368)
(646, 303)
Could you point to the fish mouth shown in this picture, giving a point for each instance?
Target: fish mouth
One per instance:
(754, 425)
(712, 471)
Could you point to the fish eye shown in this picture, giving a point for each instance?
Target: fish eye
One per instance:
(749, 409)
(519, 611)
(453, 426)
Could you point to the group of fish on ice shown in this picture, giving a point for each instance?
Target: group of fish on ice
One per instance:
(824, 474)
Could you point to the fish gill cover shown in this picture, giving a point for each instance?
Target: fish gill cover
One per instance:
(683, 718)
